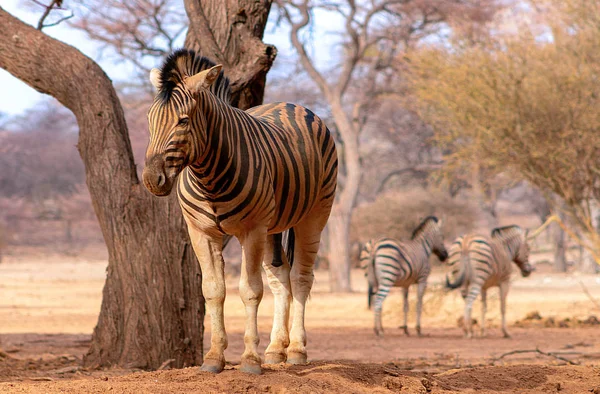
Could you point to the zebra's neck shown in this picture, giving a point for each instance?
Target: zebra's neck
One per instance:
(216, 136)
(422, 242)
(510, 246)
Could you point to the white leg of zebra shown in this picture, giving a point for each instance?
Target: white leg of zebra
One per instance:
(279, 282)
(382, 292)
(503, 294)
(308, 239)
(483, 310)
(406, 307)
(208, 252)
(421, 287)
(474, 291)
(251, 292)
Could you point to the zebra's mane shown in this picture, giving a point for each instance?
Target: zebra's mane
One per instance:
(421, 226)
(506, 231)
(184, 63)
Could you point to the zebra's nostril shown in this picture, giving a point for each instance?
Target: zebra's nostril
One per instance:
(161, 180)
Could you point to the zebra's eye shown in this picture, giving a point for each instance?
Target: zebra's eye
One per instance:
(183, 122)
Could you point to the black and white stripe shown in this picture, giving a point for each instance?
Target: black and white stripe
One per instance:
(479, 262)
(251, 174)
(390, 263)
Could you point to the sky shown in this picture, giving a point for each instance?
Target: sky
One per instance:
(16, 97)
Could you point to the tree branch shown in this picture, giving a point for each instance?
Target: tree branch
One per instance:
(538, 351)
(55, 4)
(307, 63)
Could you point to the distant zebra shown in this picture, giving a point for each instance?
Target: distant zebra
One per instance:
(390, 263)
(251, 174)
(479, 262)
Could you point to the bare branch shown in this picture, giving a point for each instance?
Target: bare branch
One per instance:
(587, 293)
(54, 5)
(538, 351)
(308, 64)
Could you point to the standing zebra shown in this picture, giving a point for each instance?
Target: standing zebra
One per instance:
(480, 262)
(390, 263)
(251, 174)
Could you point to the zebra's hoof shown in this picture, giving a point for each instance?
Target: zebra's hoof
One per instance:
(251, 368)
(212, 366)
(297, 358)
(275, 358)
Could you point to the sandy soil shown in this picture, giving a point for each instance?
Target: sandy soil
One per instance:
(49, 306)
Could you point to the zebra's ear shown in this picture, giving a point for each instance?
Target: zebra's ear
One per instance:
(155, 78)
(203, 79)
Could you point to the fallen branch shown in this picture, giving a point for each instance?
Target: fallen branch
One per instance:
(538, 351)
(587, 293)
(165, 364)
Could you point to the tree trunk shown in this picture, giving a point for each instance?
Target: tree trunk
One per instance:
(152, 307)
(341, 213)
(560, 258)
(339, 250)
(230, 32)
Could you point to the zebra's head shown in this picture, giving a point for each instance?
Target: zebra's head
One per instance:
(431, 230)
(174, 118)
(516, 241)
(522, 257)
(366, 252)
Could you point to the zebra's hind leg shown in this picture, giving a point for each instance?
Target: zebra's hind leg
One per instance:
(483, 311)
(382, 293)
(474, 291)
(279, 282)
(503, 294)
(422, 286)
(208, 252)
(307, 241)
(251, 292)
(405, 309)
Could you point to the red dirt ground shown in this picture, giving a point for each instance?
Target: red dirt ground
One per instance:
(60, 302)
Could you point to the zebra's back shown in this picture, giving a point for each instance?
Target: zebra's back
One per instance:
(397, 264)
(478, 259)
(282, 164)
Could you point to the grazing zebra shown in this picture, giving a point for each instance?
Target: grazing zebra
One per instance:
(251, 174)
(480, 262)
(390, 263)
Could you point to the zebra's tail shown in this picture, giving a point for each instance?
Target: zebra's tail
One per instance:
(371, 279)
(458, 278)
(290, 243)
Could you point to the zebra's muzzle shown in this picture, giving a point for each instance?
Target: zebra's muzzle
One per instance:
(155, 179)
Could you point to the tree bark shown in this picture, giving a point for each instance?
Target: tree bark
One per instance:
(341, 213)
(152, 307)
(339, 252)
(230, 32)
(560, 258)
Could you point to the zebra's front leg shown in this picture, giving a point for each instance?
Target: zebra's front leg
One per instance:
(405, 309)
(474, 291)
(279, 282)
(208, 252)
(503, 294)
(251, 292)
(421, 287)
(483, 311)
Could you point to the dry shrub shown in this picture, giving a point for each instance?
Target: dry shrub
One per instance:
(396, 214)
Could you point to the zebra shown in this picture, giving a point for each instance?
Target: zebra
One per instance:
(250, 174)
(479, 262)
(390, 263)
